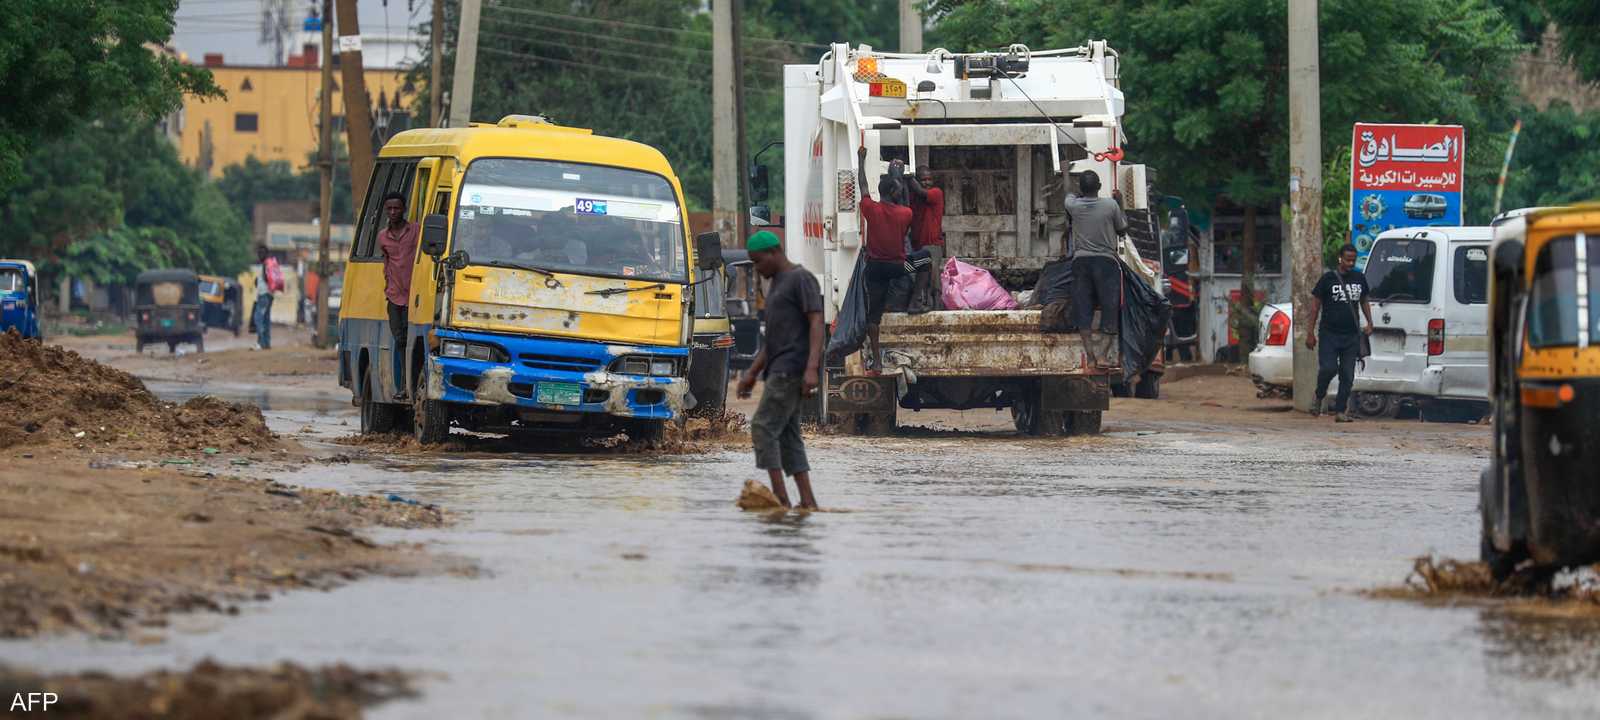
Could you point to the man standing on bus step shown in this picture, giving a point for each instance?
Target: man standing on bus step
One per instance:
(398, 241)
(1335, 298)
(927, 234)
(888, 221)
(1096, 272)
(790, 360)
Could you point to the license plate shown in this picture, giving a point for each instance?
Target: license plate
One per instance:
(166, 322)
(559, 394)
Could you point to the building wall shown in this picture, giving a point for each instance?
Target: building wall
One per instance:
(283, 102)
(1543, 76)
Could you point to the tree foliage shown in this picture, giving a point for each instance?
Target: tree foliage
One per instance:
(111, 199)
(1579, 21)
(1207, 80)
(64, 62)
(1557, 160)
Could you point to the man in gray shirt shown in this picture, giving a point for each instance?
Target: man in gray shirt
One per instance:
(1096, 272)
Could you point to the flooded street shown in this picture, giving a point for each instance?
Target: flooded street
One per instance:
(1167, 568)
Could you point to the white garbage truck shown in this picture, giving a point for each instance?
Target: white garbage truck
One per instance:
(1001, 132)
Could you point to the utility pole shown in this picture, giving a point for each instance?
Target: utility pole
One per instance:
(436, 90)
(466, 63)
(325, 166)
(743, 203)
(726, 135)
(357, 106)
(910, 27)
(1305, 188)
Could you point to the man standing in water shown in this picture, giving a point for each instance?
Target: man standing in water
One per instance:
(790, 360)
(1335, 298)
(398, 241)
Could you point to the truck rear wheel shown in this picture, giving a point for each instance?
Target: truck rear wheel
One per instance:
(1031, 419)
(1083, 422)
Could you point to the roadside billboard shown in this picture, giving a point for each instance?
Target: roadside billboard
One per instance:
(1404, 176)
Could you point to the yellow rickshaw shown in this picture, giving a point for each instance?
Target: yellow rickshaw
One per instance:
(1540, 497)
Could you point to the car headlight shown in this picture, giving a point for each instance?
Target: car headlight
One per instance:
(647, 365)
(662, 367)
(470, 351)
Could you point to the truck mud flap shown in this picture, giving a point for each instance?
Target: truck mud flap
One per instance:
(852, 395)
(1074, 392)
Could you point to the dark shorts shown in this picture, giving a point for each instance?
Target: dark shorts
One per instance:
(882, 278)
(775, 428)
(1096, 281)
(397, 321)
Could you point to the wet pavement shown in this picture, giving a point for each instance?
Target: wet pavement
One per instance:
(1149, 573)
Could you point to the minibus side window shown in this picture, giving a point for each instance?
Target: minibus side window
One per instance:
(1552, 300)
(1471, 277)
(366, 239)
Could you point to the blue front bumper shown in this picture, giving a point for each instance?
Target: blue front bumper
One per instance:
(566, 362)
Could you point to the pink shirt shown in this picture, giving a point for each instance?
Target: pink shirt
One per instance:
(399, 252)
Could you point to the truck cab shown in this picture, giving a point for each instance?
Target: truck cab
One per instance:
(1001, 133)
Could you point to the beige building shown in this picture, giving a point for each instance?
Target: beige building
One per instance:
(272, 112)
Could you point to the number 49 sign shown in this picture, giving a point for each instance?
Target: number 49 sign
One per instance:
(586, 206)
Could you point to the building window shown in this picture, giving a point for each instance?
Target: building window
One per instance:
(246, 87)
(244, 122)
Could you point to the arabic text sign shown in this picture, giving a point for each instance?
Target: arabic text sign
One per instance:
(1404, 176)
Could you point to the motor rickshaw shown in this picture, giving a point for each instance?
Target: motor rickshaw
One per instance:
(166, 304)
(1540, 497)
(19, 298)
(222, 303)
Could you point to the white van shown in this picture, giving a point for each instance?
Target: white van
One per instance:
(1429, 289)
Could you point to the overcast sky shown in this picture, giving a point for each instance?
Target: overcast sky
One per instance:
(233, 27)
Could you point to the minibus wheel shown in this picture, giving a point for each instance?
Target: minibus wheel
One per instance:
(376, 417)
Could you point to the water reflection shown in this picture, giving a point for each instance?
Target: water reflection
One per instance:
(1560, 649)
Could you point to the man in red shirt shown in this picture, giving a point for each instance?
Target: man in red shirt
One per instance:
(887, 223)
(398, 241)
(927, 234)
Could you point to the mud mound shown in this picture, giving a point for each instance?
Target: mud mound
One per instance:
(49, 395)
(210, 690)
(756, 496)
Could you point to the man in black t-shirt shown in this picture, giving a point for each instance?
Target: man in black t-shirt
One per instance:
(790, 360)
(1335, 298)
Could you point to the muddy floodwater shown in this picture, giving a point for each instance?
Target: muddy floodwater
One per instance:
(1162, 570)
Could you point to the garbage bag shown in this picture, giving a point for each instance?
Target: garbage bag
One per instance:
(1145, 317)
(969, 287)
(850, 325)
(1055, 283)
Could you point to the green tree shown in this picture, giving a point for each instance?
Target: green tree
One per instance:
(252, 181)
(64, 62)
(1557, 161)
(1579, 21)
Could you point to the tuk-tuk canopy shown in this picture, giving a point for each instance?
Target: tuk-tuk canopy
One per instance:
(15, 275)
(166, 287)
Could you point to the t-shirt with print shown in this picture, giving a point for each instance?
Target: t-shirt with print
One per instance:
(792, 294)
(886, 230)
(1340, 301)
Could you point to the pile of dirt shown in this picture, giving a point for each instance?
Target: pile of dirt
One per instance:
(211, 690)
(52, 396)
(111, 552)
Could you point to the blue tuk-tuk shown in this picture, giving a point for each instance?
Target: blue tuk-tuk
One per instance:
(19, 298)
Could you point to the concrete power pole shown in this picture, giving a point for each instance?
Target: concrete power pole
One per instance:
(357, 106)
(325, 166)
(1305, 188)
(466, 63)
(725, 170)
(910, 27)
(435, 89)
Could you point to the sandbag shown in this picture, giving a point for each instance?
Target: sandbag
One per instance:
(850, 325)
(1145, 317)
(969, 287)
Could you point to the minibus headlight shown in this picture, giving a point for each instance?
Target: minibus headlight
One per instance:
(471, 351)
(480, 352)
(663, 367)
(450, 348)
(647, 365)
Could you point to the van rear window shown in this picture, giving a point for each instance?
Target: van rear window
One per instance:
(1401, 270)
(1471, 277)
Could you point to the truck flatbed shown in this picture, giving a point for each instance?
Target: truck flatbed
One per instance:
(987, 343)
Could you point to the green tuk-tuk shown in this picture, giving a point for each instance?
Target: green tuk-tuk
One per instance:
(166, 304)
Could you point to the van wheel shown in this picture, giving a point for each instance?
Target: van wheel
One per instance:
(1149, 387)
(430, 419)
(376, 418)
(1376, 406)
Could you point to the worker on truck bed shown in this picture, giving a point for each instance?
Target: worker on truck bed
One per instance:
(888, 221)
(927, 235)
(790, 360)
(1096, 274)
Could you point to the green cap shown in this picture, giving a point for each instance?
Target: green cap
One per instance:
(763, 240)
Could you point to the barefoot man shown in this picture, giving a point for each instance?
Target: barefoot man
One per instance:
(789, 361)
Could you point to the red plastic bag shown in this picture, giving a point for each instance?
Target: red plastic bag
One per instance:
(969, 287)
(274, 275)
